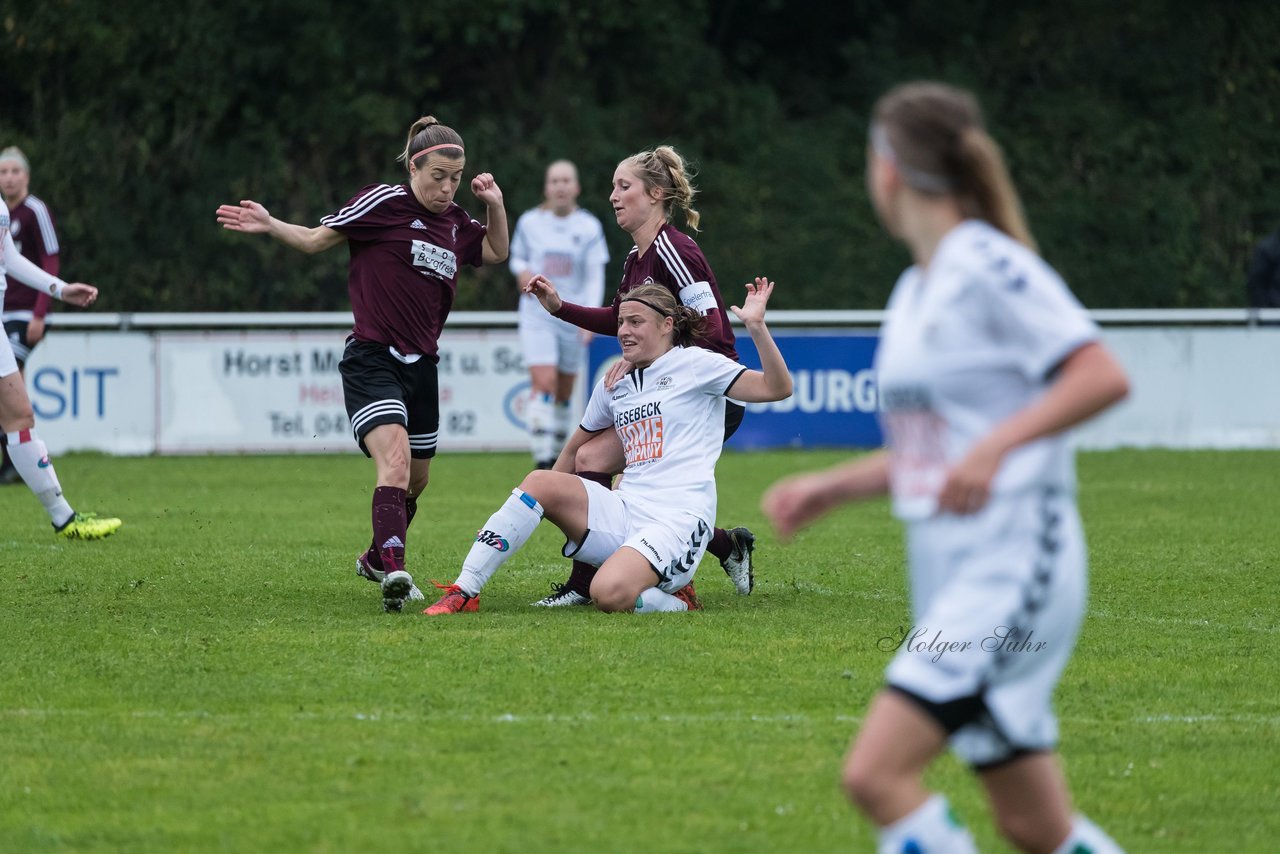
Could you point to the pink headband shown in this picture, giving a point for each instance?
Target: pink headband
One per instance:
(434, 147)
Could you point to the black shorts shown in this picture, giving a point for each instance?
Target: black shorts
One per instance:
(16, 332)
(380, 389)
(733, 413)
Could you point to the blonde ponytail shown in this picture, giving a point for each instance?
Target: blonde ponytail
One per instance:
(987, 191)
(665, 170)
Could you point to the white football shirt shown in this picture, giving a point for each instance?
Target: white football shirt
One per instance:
(966, 344)
(568, 250)
(670, 418)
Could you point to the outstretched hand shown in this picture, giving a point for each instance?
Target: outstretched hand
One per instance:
(540, 286)
(486, 189)
(248, 216)
(795, 502)
(78, 293)
(752, 310)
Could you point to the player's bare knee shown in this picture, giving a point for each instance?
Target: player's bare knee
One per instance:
(866, 787)
(611, 596)
(537, 484)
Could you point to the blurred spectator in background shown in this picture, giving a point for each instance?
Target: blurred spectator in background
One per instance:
(1264, 273)
(566, 244)
(31, 226)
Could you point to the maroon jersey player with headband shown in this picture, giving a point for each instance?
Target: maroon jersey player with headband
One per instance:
(407, 242)
(646, 188)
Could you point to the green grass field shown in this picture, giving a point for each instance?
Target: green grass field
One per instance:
(215, 677)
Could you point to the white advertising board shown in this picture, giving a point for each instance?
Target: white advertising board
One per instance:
(282, 392)
(94, 391)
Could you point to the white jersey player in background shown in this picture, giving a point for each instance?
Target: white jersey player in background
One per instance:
(647, 536)
(566, 244)
(26, 450)
(985, 358)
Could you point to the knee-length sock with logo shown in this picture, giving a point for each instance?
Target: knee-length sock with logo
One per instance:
(373, 555)
(504, 533)
(31, 458)
(390, 526)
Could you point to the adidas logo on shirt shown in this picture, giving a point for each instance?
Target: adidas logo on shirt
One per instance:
(417, 223)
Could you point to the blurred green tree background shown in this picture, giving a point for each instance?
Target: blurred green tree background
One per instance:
(1143, 135)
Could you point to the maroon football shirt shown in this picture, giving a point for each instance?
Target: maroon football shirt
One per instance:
(31, 226)
(404, 265)
(675, 260)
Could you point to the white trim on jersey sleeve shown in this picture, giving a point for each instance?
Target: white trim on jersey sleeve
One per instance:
(362, 205)
(671, 258)
(47, 233)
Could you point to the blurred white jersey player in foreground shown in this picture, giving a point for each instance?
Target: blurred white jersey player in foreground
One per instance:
(985, 358)
(26, 450)
(648, 536)
(566, 244)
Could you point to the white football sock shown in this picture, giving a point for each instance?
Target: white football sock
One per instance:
(653, 600)
(1087, 838)
(540, 415)
(31, 459)
(931, 829)
(560, 426)
(504, 533)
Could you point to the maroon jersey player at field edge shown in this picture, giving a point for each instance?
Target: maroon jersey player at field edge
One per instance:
(646, 187)
(406, 243)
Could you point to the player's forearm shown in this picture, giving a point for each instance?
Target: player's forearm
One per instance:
(602, 320)
(865, 477)
(302, 238)
(497, 241)
(26, 272)
(777, 377)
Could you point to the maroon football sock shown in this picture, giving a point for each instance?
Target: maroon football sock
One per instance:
(389, 527)
(371, 554)
(721, 544)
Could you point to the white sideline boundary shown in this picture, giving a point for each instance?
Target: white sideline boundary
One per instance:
(589, 717)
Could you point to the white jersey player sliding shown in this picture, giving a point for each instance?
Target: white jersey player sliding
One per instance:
(647, 536)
